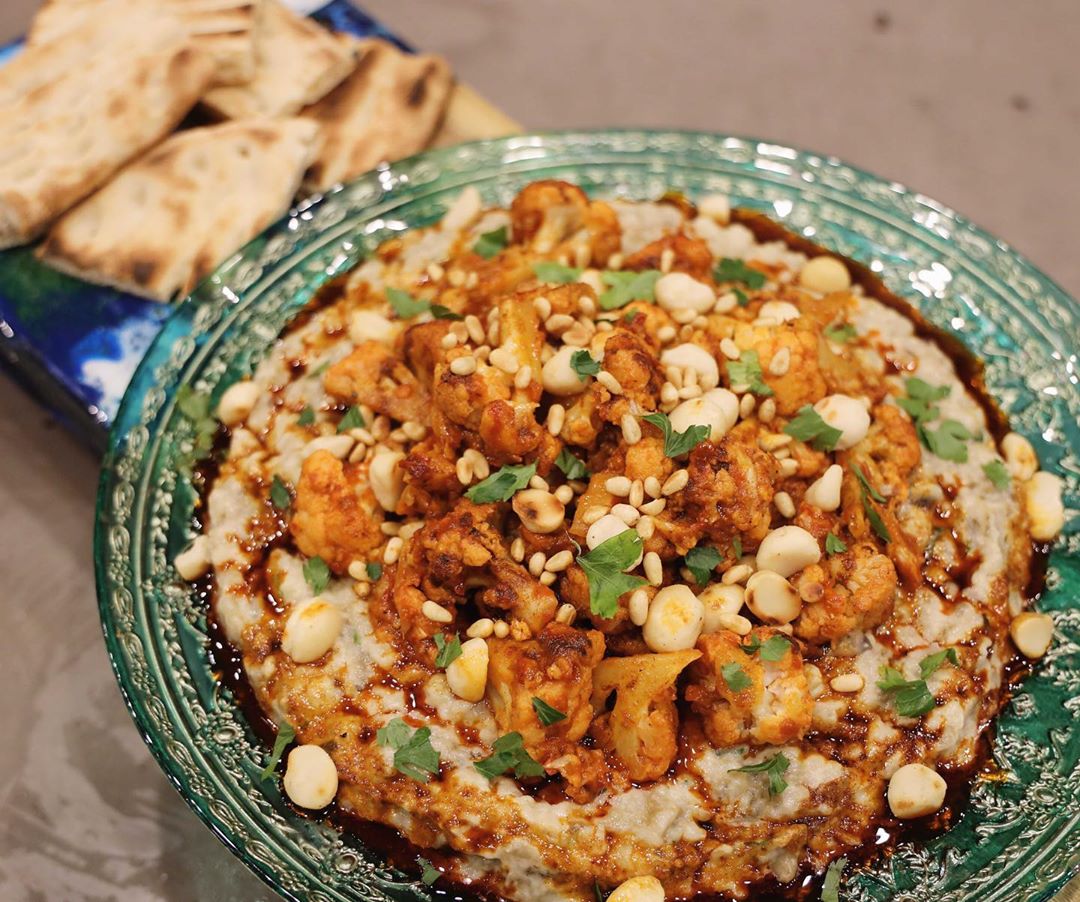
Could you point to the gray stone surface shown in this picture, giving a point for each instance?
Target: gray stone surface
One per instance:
(975, 103)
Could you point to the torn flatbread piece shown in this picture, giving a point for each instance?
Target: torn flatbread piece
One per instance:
(167, 220)
(388, 108)
(297, 61)
(70, 120)
(224, 29)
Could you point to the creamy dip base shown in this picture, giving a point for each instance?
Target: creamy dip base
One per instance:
(702, 826)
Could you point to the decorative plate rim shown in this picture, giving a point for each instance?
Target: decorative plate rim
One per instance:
(396, 176)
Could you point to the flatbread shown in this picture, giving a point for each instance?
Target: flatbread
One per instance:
(224, 29)
(297, 61)
(168, 219)
(70, 119)
(388, 108)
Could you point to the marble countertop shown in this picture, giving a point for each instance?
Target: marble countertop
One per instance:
(974, 102)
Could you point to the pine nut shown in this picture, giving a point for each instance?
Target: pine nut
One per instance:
(781, 362)
(645, 527)
(481, 629)
(566, 614)
(746, 406)
(559, 561)
(631, 429)
(784, 504)
(653, 508)
(619, 486)
(393, 550)
(501, 629)
(637, 493)
(847, 682)
(737, 574)
(676, 482)
(555, 419)
(652, 487)
(463, 366)
(475, 329)
(654, 568)
(517, 549)
(629, 515)
(546, 578)
(537, 562)
(729, 349)
(565, 494)
(639, 607)
(436, 612)
(609, 382)
(523, 377)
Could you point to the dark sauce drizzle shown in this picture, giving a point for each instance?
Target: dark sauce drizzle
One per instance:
(227, 663)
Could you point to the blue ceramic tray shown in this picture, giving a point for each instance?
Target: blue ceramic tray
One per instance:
(75, 346)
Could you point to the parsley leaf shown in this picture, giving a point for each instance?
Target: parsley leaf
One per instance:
(995, 471)
(279, 494)
(830, 887)
(676, 444)
(911, 698)
(374, 571)
(730, 269)
(948, 441)
(448, 651)
(440, 311)
(285, 735)
(546, 714)
(404, 304)
(774, 767)
(701, 561)
(317, 574)
(490, 243)
(353, 419)
(307, 416)
(501, 484)
(741, 297)
(920, 399)
(735, 677)
(555, 273)
(774, 648)
(582, 363)
(736, 547)
(508, 753)
(747, 371)
(570, 465)
(841, 333)
(929, 664)
(604, 567)
(430, 873)
(876, 523)
(867, 488)
(414, 755)
(834, 545)
(624, 287)
(810, 426)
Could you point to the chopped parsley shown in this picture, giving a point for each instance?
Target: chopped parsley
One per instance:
(555, 273)
(572, 467)
(501, 484)
(840, 334)
(508, 753)
(772, 649)
(911, 698)
(414, 755)
(834, 545)
(947, 441)
(774, 767)
(736, 547)
(317, 574)
(490, 243)
(605, 568)
(995, 471)
(930, 664)
(582, 363)
(735, 677)
(404, 304)
(546, 714)
(195, 405)
(279, 494)
(307, 416)
(809, 426)
(624, 287)
(730, 269)
(285, 735)
(920, 399)
(440, 311)
(374, 571)
(353, 419)
(868, 491)
(867, 488)
(747, 371)
(830, 887)
(429, 873)
(676, 444)
(701, 561)
(448, 651)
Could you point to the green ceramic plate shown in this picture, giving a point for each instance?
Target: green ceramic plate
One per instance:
(1020, 837)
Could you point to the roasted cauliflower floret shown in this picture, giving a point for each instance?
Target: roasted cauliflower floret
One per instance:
(463, 398)
(547, 213)
(374, 375)
(844, 592)
(556, 667)
(688, 255)
(800, 381)
(643, 726)
(335, 514)
(743, 698)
